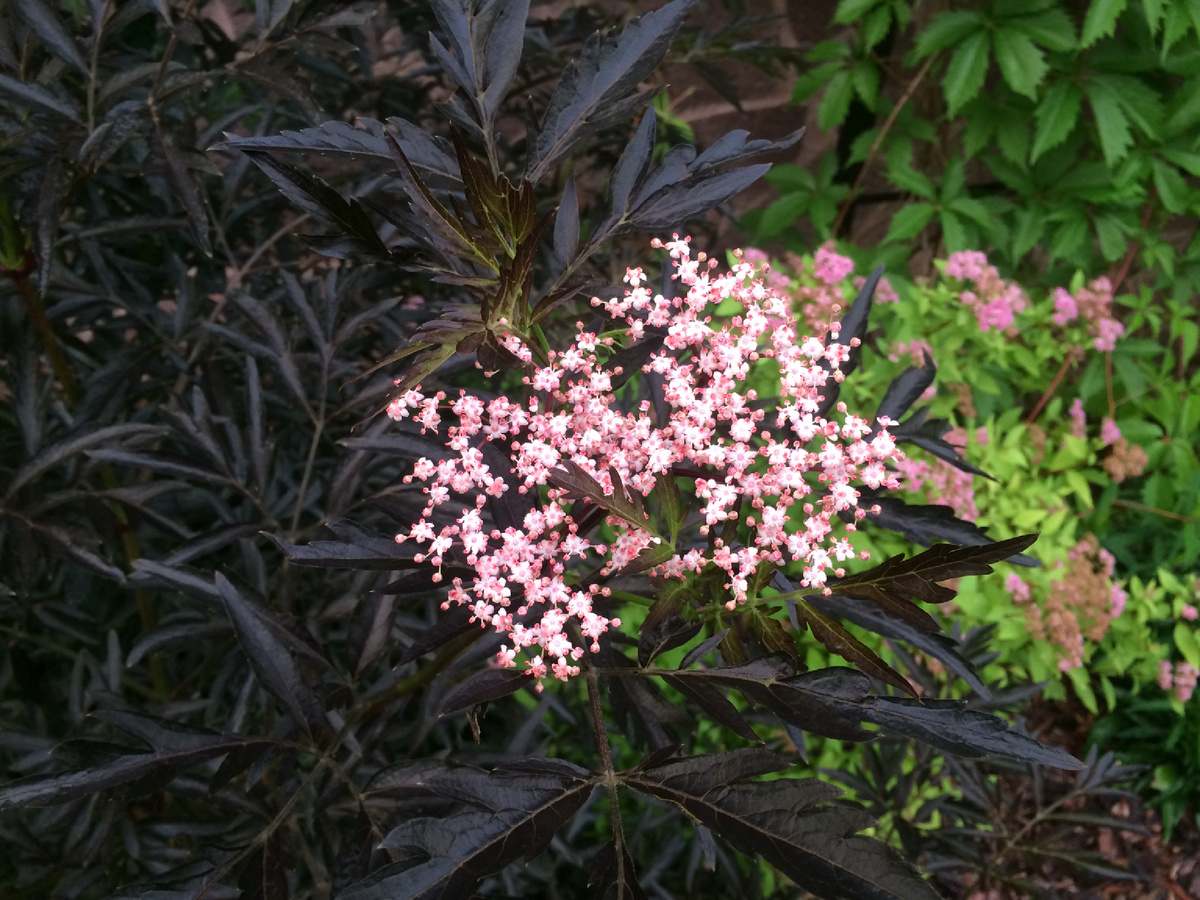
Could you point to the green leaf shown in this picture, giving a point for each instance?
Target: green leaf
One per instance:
(875, 27)
(865, 76)
(1140, 102)
(836, 102)
(1021, 63)
(783, 214)
(1172, 189)
(849, 11)
(1111, 236)
(1185, 641)
(1056, 115)
(905, 175)
(1101, 20)
(1068, 237)
(1111, 124)
(965, 74)
(1154, 13)
(908, 222)
(813, 80)
(1052, 28)
(948, 29)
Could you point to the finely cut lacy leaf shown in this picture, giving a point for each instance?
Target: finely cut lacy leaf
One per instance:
(835, 701)
(506, 815)
(174, 748)
(898, 579)
(787, 821)
(592, 91)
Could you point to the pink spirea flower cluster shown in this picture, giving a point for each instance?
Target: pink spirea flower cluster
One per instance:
(1181, 678)
(1081, 603)
(572, 416)
(1094, 305)
(822, 286)
(994, 300)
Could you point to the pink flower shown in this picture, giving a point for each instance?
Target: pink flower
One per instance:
(1189, 612)
(1078, 419)
(1109, 432)
(1065, 308)
(831, 267)
(1017, 587)
(1185, 681)
(1165, 675)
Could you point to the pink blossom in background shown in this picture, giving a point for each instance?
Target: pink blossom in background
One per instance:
(884, 292)
(981, 436)
(1107, 331)
(1017, 587)
(1064, 306)
(916, 351)
(1078, 418)
(1185, 681)
(572, 420)
(1117, 601)
(994, 300)
(1109, 432)
(1189, 612)
(967, 265)
(831, 267)
(1165, 675)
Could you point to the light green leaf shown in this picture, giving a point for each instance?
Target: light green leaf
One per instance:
(1056, 116)
(1185, 641)
(849, 11)
(836, 102)
(1101, 20)
(965, 74)
(1171, 187)
(1111, 123)
(789, 175)
(948, 29)
(813, 80)
(1028, 225)
(1021, 63)
(1052, 28)
(909, 221)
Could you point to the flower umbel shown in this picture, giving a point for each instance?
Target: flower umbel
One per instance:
(794, 468)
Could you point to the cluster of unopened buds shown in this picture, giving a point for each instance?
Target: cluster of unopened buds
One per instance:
(797, 476)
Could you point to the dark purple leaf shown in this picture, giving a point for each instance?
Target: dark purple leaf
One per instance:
(591, 92)
(787, 821)
(270, 660)
(490, 684)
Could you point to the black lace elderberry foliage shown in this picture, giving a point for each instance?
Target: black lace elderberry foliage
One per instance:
(232, 678)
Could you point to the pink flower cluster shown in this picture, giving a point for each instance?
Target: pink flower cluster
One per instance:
(1181, 678)
(802, 480)
(1094, 304)
(827, 274)
(1083, 602)
(994, 300)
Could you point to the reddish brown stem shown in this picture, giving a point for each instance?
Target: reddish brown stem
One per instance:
(1045, 398)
